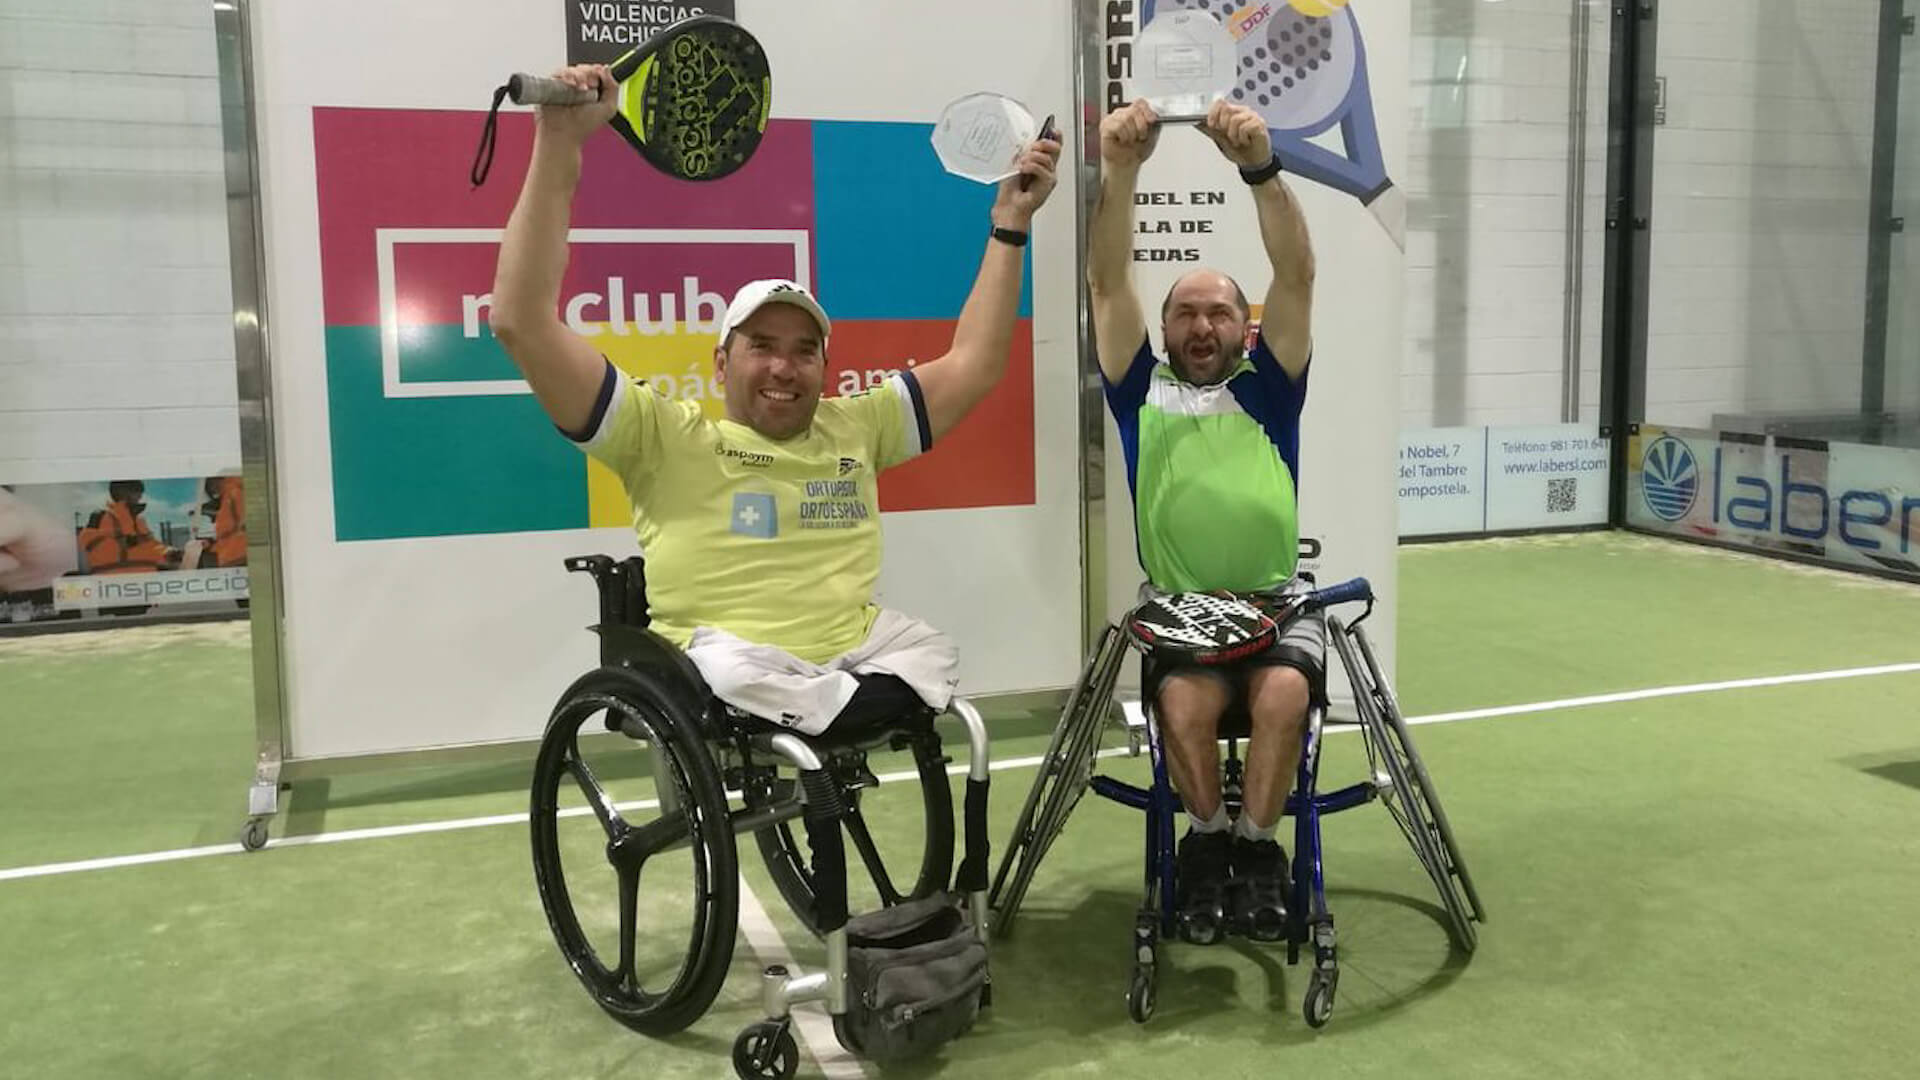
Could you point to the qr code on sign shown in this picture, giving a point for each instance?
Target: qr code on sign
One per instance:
(1561, 495)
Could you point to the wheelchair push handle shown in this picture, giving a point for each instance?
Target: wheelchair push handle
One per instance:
(622, 586)
(1344, 593)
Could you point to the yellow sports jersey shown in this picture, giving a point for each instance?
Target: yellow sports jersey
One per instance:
(777, 542)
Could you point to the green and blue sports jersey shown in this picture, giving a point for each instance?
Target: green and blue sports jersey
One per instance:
(1213, 471)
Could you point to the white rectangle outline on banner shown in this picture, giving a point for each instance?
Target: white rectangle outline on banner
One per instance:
(385, 239)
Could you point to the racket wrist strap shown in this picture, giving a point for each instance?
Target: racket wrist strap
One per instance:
(1261, 174)
(1005, 235)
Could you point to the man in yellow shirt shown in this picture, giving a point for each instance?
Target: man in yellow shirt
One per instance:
(761, 530)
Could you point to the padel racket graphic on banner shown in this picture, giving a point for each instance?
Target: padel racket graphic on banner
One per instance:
(1303, 68)
(693, 100)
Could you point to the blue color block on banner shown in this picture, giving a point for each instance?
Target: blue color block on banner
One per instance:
(899, 237)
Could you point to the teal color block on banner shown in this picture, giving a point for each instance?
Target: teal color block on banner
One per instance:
(441, 466)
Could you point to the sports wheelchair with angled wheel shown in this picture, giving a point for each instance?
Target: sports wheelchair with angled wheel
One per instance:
(705, 756)
(1207, 628)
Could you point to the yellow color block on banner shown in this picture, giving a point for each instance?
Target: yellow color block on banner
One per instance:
(677, 365)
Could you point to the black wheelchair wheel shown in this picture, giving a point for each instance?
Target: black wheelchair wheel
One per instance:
(690, 801)
(783, 845)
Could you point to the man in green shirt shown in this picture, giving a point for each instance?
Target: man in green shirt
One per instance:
(1211, 436)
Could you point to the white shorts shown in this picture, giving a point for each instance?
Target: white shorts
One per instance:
(783, 689)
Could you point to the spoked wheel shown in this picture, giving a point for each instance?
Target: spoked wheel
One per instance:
(784, 846)
(1064, 775)
(655, 967)
(1409, 793)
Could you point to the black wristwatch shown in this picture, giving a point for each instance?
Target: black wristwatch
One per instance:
(1010, 236)
(1257, 176)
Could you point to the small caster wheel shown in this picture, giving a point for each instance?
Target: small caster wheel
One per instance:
(1318, 1007)
(1140, 995)
(255, 836)
(766, 1050)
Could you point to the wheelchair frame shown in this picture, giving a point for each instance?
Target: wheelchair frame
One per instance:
(702, 750)
(1399, 781)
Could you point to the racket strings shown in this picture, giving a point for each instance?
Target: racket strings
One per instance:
(483, 157)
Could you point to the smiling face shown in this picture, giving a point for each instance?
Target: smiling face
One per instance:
(1204, 325)
(772, 367)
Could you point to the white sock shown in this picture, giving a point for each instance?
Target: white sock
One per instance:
(1219, 822)
(1244, 828)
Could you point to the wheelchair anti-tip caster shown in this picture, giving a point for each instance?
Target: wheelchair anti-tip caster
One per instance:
(766, 1050)
(1141, 994)
(1325, 977)
(1318, 1007)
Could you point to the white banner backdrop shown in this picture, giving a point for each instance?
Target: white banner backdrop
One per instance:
(1194, 211)
(425, 506)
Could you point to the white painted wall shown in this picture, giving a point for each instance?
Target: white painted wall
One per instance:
(1492, 134)
(116, 340)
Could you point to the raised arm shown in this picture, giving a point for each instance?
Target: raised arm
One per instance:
(1287, 317)
(1127, 138)
(564, 371)
(968, 371)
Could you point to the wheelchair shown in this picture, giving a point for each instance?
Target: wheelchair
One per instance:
(647, 695)
(1398, 780)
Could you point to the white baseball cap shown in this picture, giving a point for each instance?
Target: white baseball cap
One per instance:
(755, 295)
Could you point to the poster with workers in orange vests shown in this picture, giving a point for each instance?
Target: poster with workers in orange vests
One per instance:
(116, 548)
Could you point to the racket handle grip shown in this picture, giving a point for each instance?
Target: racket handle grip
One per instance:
(534, 90)
(1343, 593)
(1046, 132)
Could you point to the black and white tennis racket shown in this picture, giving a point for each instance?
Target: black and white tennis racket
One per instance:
(693, 100)
(1200, 628)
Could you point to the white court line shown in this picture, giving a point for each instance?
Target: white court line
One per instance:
(1665, 691)
(51, 869)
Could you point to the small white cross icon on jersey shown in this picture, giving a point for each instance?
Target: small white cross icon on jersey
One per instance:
(754, 514)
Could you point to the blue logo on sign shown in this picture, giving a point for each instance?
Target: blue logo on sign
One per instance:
(1669, 478)
(755, 515)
